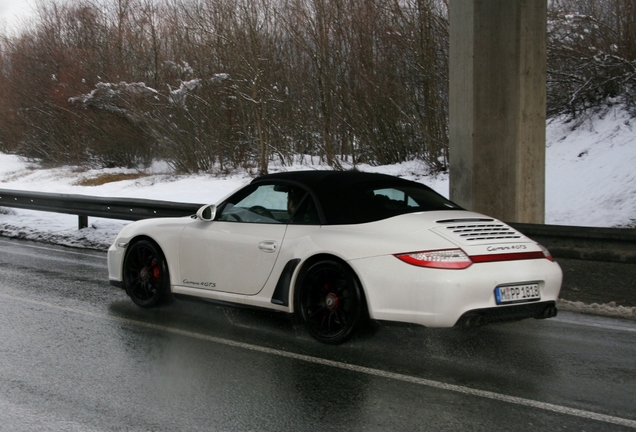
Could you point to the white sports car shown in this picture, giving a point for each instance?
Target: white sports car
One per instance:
(336, 248)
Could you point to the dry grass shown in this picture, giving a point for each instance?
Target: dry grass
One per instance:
(108, 178)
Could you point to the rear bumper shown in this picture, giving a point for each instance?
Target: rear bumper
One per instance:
(396, 291)
(478, 317)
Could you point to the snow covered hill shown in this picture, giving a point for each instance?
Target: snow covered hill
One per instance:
(591, 171)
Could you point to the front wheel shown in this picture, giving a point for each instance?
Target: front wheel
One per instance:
(146, 278)
(329, 302)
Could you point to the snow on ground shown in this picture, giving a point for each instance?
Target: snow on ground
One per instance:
(590, 181)
(608, 310)
(590, 171)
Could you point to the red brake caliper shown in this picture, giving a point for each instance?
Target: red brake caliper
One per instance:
(155, 270)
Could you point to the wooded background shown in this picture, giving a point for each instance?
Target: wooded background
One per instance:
(213, 85)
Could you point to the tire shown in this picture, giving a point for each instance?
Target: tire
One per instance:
(146, 278)
(329, 302)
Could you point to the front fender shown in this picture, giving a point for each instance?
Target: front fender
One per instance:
(165, 232)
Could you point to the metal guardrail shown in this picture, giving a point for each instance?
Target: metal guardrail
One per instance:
(84, 206)
(582, 243)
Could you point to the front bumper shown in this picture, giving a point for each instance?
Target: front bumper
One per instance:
(115, 258)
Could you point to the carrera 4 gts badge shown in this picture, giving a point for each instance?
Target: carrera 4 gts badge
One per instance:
(516, 247)
(199, 284)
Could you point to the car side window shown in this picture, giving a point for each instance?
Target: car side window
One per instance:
(271, 204)
(395, 198)
(301, 207)
(261, 204)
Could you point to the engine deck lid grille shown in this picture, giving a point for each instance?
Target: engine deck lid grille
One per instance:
(476, 230)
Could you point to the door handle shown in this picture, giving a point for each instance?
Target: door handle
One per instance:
(268, 246)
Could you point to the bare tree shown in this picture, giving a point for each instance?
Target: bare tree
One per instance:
(591, 55)
(226, 83)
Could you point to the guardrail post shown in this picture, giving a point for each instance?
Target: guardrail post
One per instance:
(82, 222)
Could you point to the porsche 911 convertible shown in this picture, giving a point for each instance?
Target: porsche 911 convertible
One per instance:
(337, 248)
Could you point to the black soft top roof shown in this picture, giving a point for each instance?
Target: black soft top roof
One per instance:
(322, 180)
(346, 197)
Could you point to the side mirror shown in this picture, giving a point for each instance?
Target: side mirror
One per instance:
(207, 213)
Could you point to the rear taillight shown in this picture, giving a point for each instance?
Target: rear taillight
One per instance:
(457, 259)
(546, 252)
(514, 256)
(441, 259)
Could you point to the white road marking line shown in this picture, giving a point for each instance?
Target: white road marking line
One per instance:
(560, 409)
(60, 250)
(604, 326)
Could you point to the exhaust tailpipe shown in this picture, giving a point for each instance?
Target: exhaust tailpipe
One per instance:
(549, 312)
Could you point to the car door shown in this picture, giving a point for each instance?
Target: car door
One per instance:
(236, 252)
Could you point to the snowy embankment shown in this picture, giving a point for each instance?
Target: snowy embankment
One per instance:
(590, 181)
(590, 175)
(609, 310)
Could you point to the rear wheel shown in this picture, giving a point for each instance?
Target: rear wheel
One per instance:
(146, 278)
(329, 302)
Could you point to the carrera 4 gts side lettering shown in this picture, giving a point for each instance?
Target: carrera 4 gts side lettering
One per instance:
(506, 248)
(199, 284)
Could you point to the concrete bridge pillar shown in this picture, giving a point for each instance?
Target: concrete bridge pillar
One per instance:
(497, 107)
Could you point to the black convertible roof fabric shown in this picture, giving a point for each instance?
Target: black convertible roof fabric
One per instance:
(350, 197)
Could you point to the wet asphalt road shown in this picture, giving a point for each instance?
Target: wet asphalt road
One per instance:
(77, 355)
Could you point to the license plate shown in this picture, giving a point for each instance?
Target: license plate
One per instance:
(517, 293)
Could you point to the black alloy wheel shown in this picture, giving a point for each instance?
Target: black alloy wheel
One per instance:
(330, 302)
(146, 278)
